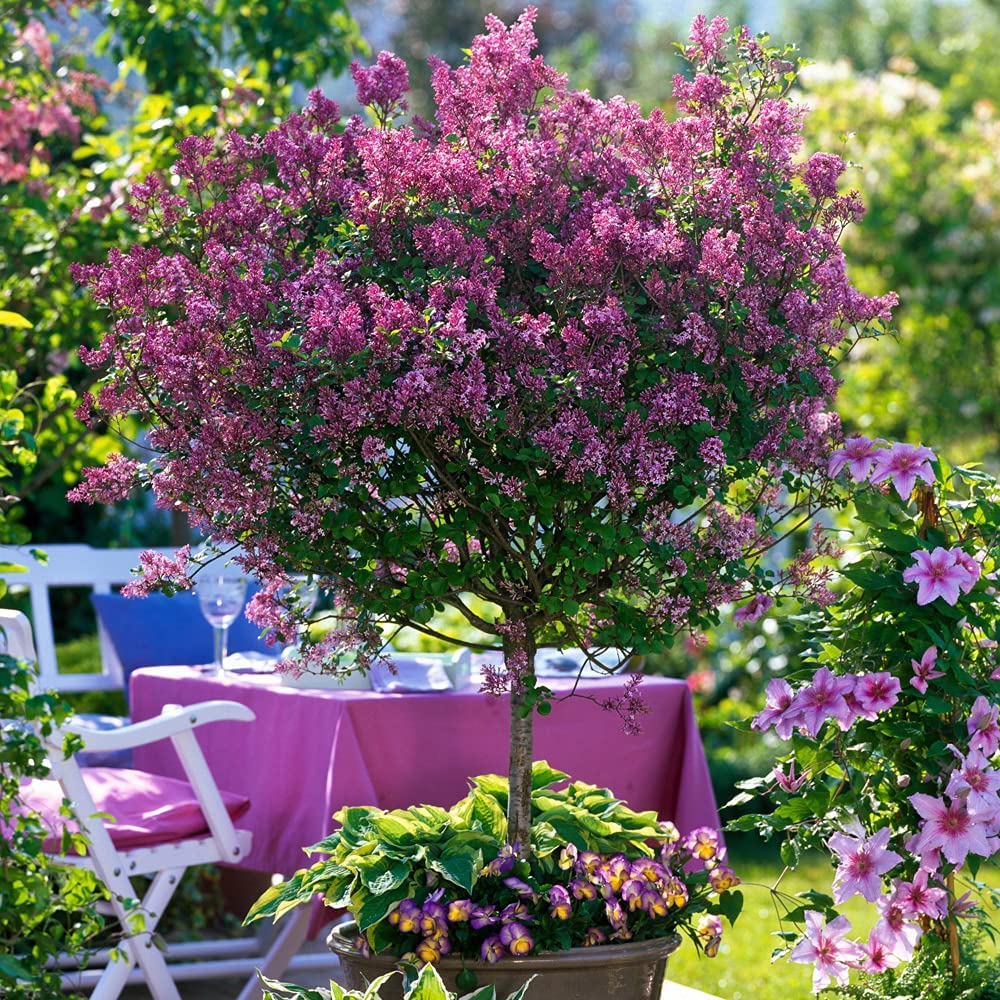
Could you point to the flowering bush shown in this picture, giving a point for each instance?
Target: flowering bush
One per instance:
(426, 882)
(893, 728)
(542, 350)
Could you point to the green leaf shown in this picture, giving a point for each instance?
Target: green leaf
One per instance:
(372, 909)
(8, 318)
(519, 993)
(428, 986)
(460, 869)
(730, 904)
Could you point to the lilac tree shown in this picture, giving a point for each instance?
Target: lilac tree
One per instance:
(542, 350)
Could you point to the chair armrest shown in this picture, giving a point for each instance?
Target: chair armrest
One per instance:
(162, 727)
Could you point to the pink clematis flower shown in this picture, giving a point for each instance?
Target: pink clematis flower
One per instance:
(825, 699)
(862, 863)
(877, 954)
(924, 669)
(858, 454)
(826, 949)
(984, 733)
(918, 899)
(904, 464)
(750, 612)
(789, 782)
(893, 927)
(976, 782)
(938, 574)
(876, 692)
(949, 827)
(777, 710)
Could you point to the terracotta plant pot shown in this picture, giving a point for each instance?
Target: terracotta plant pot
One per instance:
(628, 971)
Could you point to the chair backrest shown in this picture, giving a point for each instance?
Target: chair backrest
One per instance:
(15, 635)
(98, 570)
(132, 632)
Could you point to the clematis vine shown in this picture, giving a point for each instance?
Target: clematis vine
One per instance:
(896, 738)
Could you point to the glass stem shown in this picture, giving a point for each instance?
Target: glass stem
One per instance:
(221, 634)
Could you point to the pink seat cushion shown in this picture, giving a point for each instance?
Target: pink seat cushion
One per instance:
(147, 808)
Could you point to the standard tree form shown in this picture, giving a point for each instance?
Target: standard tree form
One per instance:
(542, 350)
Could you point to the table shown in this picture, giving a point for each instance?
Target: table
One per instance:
(311, 751)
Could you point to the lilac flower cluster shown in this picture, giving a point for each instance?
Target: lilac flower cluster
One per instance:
(582, 899)
(402, 353)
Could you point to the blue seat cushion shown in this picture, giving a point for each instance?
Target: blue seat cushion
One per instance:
(157, 630)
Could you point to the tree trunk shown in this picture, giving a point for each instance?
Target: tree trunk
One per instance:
(521, 648)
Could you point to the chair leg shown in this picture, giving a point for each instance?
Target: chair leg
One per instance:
(139, 948)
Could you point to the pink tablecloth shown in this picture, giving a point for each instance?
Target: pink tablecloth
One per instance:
(311, 752)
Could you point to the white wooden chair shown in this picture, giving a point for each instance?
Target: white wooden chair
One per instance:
(191, 823)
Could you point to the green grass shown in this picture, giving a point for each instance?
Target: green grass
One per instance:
(743, 969)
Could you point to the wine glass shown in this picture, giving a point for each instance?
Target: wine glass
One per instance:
(300, 595)
(221, 600)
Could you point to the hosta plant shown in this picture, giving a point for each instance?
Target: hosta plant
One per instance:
(423, 985)
(426, 882)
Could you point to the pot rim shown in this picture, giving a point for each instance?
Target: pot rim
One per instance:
(340, 943)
